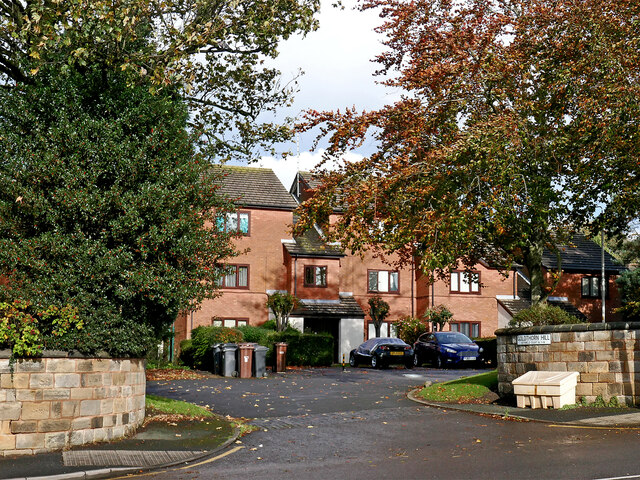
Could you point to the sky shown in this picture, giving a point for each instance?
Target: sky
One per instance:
(338, 73)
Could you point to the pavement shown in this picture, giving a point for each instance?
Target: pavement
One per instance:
(163, 444)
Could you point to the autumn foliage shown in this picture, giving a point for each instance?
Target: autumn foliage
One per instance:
(517, 126)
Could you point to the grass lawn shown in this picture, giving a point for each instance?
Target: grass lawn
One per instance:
(463, 389)
(164, 406)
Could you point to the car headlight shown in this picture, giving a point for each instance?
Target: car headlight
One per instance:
(480, 350)
(449, 350)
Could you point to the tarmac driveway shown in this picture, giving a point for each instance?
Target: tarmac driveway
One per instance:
(304, 391)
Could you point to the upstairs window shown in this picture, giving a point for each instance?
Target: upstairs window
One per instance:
(383, 281)
(591, 287)
(315, 276)
(465, 282)
(235, 222)
(236, 276)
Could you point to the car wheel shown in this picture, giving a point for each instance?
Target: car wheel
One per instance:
(440, 362)
(375, 363)
(352, 360)
(416, 360)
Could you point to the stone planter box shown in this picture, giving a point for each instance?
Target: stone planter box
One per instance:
(59, 400)
(605, 355)
(546, 389)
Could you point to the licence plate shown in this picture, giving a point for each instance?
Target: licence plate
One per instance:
(397, 353)
(468, 358)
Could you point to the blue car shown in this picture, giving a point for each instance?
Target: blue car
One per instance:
(381, 352)
(445, 348)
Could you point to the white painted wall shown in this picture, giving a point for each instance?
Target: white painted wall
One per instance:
(503, 317)
(297, 323)
(351, 336)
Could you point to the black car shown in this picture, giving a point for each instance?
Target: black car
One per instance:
(382, 351)
(446, 348)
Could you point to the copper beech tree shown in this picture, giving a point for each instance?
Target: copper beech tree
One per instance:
(517, 125)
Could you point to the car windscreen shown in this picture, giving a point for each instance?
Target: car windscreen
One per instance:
(452, 337)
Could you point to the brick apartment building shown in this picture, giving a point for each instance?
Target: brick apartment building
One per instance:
(334, 286)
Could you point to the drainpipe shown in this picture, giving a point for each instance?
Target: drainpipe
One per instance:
(295, 276)
(413, 281)
(433, 290)
(515, 283)
(603, 289)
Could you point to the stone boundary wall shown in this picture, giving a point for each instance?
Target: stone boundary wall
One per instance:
(61, 400)
(606, 355)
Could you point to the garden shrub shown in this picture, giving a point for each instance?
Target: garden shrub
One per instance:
(203, 338)
(304, 349)
(269, 325)
(186, 352)
(542, 314)
(410, 328)
(257, 335)
(27, 330)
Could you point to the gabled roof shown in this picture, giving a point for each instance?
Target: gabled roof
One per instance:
(581, 255)
(344, 307)
(311, 244)
(255, 187)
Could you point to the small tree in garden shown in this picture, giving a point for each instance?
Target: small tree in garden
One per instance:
(438, 316)
(282, 304)
(410, 328)
(378, 311)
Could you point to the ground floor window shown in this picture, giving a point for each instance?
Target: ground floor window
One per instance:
(230, 322)
(470, 329)
(387, 329)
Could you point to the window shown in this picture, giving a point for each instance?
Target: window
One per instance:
(591, 287)
(234, 222)
(383, 281)
(229, 322)
(465, 282)
(236, 276)
(470, 329)
(315, 276)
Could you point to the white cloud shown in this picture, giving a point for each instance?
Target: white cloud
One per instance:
(286, 168)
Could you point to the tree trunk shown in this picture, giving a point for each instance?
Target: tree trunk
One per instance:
(533, 263)
(377, 326)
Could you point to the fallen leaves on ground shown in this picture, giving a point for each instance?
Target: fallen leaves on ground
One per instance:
(173, 374)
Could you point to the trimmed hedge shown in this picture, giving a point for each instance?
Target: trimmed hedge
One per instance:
(304, 349)
(542, 314)
(199, 353)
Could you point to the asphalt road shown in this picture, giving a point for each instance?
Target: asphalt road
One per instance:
(358, 424)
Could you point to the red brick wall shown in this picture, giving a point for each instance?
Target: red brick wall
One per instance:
(570, 286)
(267, 271)
(469, 307)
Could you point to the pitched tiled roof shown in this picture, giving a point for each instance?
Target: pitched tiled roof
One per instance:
(311, 244)
(312, 181)
(255, 187)
(581, 255)
(515, 305)
(345, 307)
